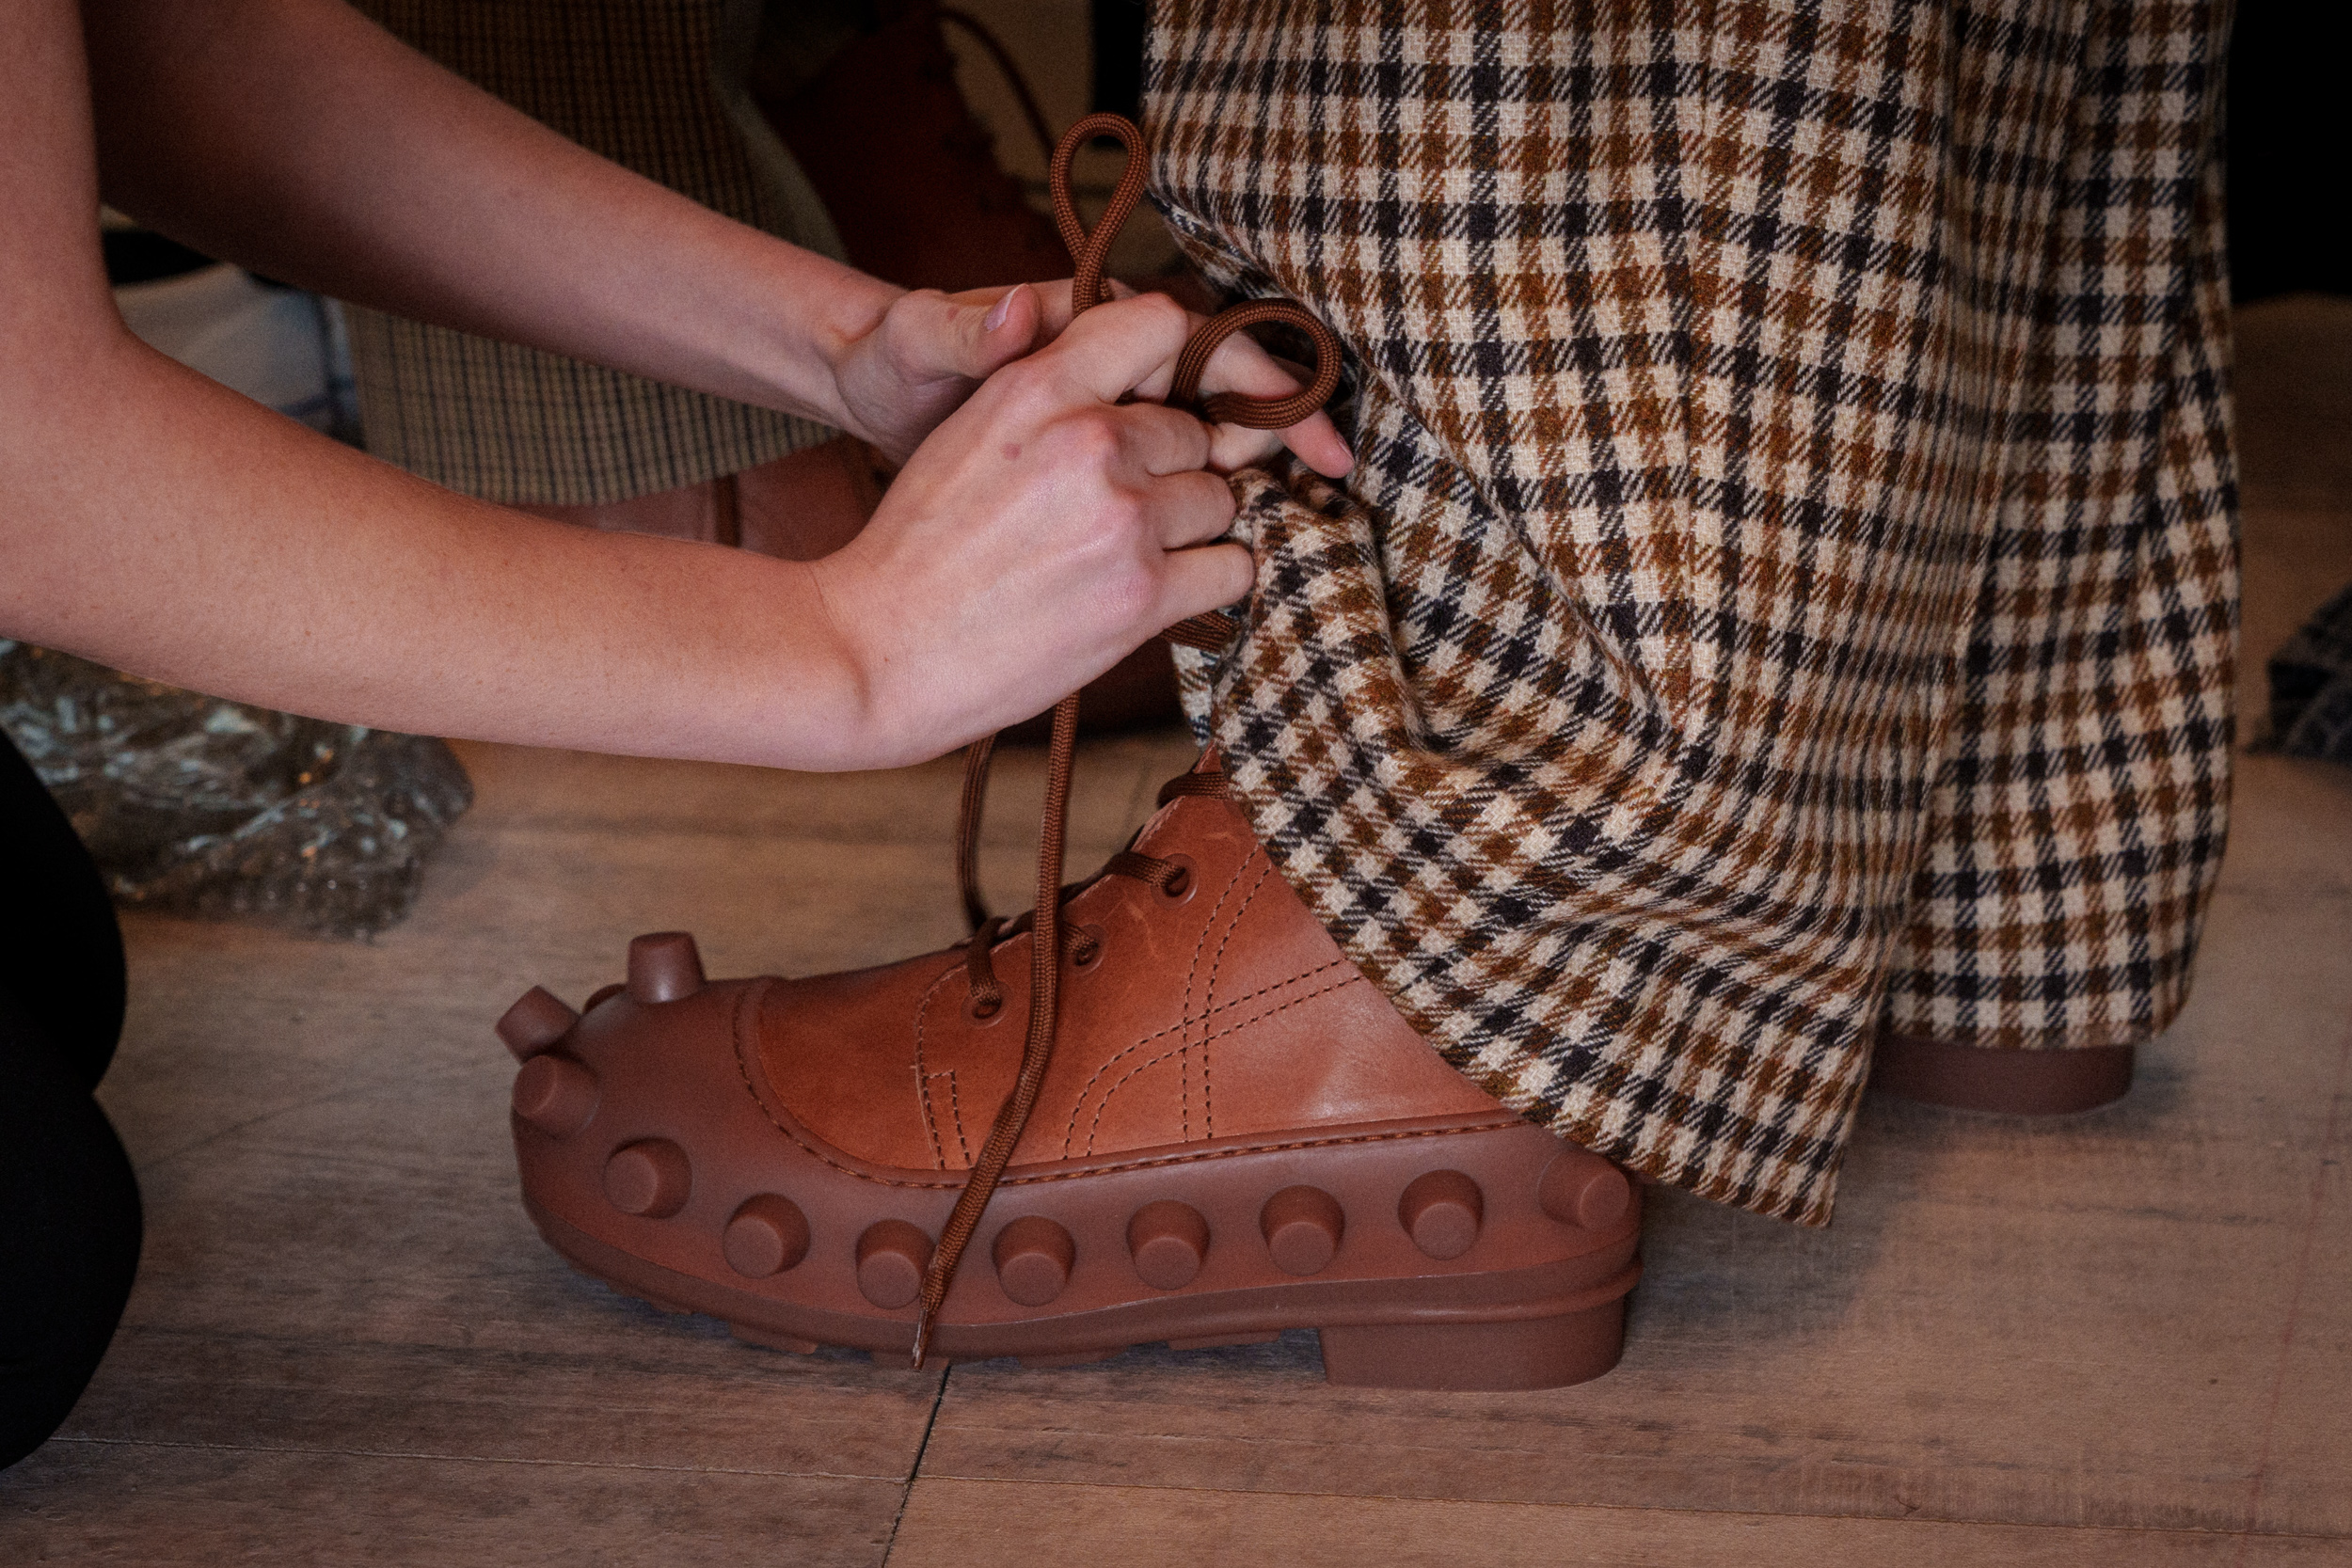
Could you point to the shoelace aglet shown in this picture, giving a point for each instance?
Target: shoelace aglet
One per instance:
(922, 1336)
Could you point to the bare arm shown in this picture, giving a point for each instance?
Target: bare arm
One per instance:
(299, 139)
(161, 523)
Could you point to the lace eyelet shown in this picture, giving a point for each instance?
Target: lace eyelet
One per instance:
(1086, 956)
(980, 1009)
(1182, 884)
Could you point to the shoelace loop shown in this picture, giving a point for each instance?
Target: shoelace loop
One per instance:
(1212, 632)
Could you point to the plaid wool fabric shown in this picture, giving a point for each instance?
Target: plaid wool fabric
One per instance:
(654, 85)
(1789, 584)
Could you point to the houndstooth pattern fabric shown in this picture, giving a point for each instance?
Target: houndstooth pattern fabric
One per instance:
(652, 84)
(1788, 579)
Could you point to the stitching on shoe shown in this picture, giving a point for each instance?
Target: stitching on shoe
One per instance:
(1235, 1028)
(744, 1036)
(1183, 1016)
(928, 1106)
(955, 1111)
(1094, 1128)
(923, 1080)
(1208, 1108)
(1185, 1025)
(1183, 1048)
(1183, 1011)
(930, 1124)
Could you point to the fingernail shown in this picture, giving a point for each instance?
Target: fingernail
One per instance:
(998, 312)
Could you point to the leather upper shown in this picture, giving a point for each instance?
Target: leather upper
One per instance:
(1224, 1011)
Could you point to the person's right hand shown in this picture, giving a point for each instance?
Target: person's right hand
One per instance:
(1042, 532)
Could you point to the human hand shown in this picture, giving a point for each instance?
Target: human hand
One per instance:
(1045, 528)
(927, 352)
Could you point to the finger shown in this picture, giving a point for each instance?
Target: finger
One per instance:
(1241, 364)
(1055, 298)
(1004, 332)
(1232, 447)
(1052, 299)
(1188, 509)
(1316, 442)
(1158, 439)
(1110, 350)
(1198, 580)
(965, 336)
(1319, 445)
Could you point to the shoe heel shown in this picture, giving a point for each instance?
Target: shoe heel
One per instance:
(1527, 1353)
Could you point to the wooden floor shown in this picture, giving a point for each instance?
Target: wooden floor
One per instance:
(2124, 1337)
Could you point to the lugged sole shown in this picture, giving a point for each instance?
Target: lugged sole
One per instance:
(1541, 1343)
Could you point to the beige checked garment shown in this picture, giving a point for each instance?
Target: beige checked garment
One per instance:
(1789, 585)
(654, 85)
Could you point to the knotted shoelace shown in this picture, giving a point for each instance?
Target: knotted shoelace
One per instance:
(1212, 632)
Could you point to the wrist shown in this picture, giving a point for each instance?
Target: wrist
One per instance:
(842, 322)
(897, 709)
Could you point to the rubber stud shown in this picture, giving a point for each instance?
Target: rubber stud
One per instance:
(1302, 1228)
(1168, 1241)
(650, 1177)
(1033, 1260)
(891, 1257)
(1581, 1188)
(767, 1236)
(1443, 1211)
(555, 1094)
(664, 966)
(535, 1023)
(602, 994)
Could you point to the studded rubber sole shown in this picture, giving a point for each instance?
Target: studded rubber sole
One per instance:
(1474, 1253)
(1574, 1338)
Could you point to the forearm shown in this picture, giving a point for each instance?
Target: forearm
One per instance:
(199, 539)
(156, 521)
(297, 139)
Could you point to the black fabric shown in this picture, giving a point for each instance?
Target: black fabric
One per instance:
(69, 1225)
(2286, 119)
(1118, 30)
(2311, 686)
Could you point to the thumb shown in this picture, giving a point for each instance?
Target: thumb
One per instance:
(986, 339)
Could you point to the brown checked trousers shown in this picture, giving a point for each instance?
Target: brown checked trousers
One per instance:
(1789, 586)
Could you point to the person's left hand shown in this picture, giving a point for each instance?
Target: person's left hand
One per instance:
(931, 350)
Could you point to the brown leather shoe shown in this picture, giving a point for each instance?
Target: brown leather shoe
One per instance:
(1235, 1134)
(1210, 1129)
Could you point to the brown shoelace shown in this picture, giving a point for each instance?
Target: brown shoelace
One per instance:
(1211, 631)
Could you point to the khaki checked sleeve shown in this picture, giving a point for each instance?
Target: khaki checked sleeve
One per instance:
(655, 86)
